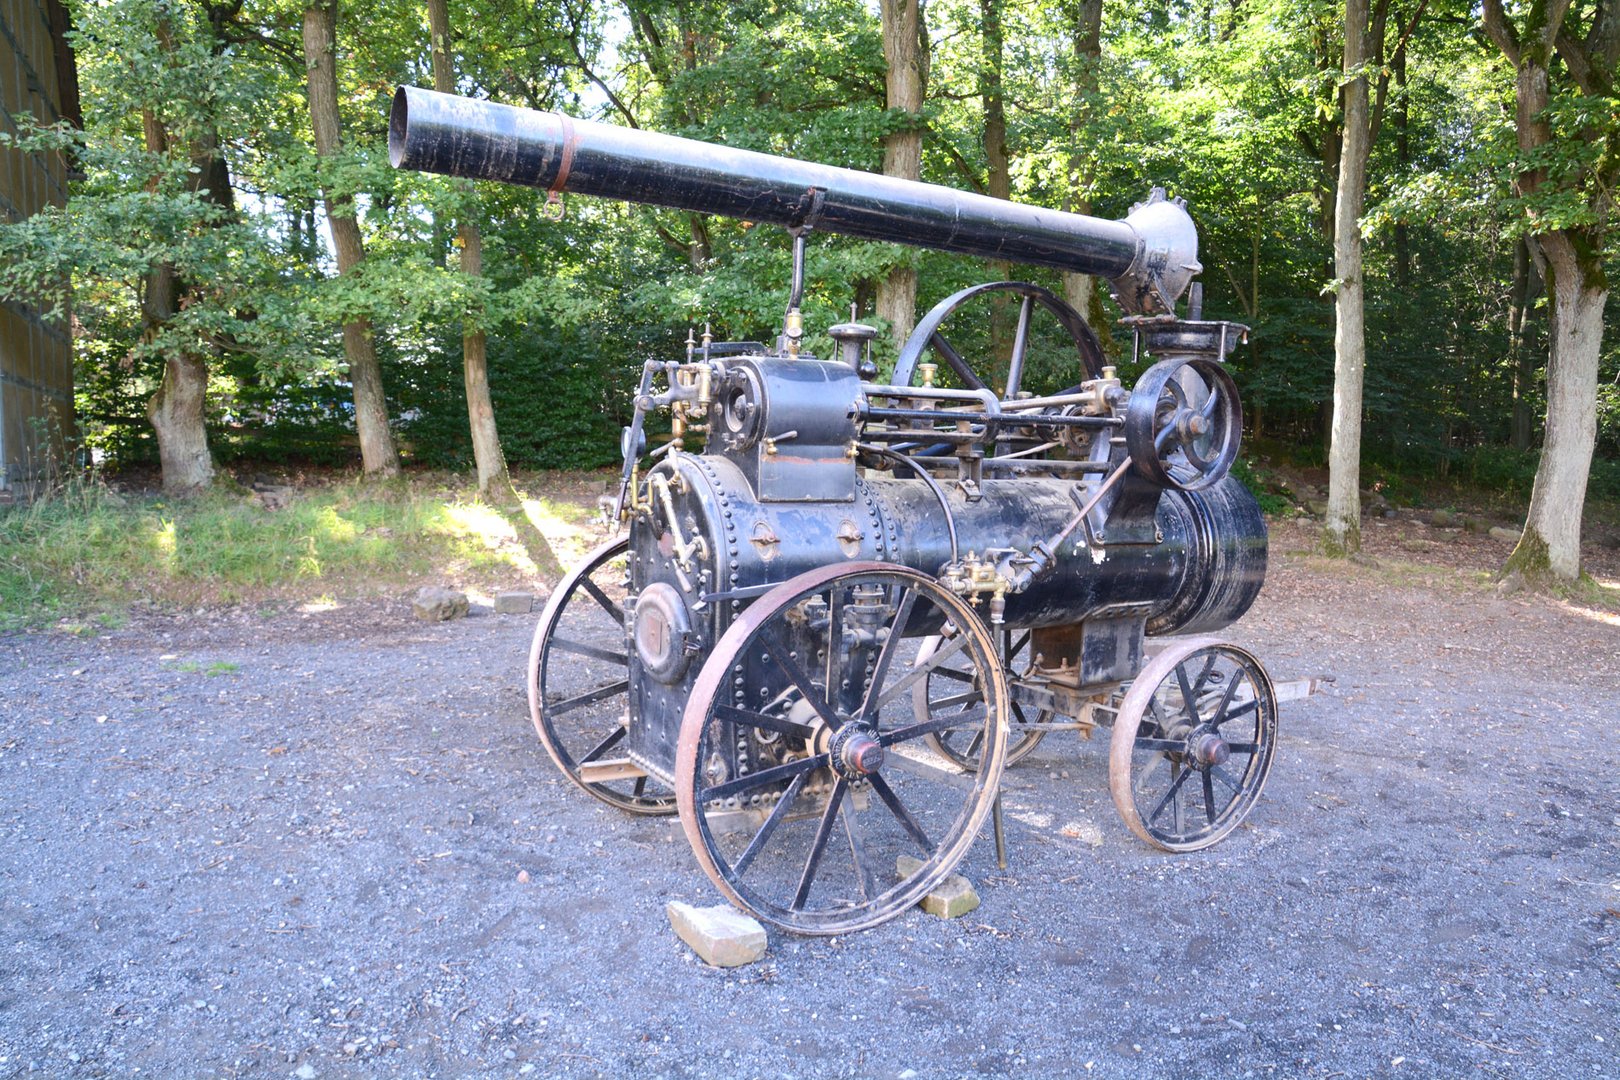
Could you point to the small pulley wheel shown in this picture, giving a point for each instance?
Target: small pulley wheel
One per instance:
(1183, 424)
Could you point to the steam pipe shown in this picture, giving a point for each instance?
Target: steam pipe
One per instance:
(1150, 256)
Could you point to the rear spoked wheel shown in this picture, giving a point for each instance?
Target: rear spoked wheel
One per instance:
(803, 775)
(579, 684)
(1193, 744)
(949, 687)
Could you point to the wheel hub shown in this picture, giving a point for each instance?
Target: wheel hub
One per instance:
(1209, 749)
(856, 752)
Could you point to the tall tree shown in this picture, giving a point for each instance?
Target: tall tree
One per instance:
(493, 480)
(905, 49)
(1087, 57)
(176, 409)
(1363, 48)
(998, 161)
(1341, 533)
(1567, 171)
(377, 453)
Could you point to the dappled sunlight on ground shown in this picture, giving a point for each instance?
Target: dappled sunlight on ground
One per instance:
(571, 530)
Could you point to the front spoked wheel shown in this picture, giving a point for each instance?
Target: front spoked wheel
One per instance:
(1193, 744)
(803, 775)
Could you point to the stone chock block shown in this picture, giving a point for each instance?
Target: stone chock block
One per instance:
(721, 936)
(950, 899)
(436, 604)
(514, 603)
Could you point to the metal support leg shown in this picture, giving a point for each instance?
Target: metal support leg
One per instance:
(1001, 835)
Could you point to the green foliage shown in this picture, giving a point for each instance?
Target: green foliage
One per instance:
(1232, 107)
(1266, 491)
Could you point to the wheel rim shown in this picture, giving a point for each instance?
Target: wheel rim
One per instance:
(1184, 777)
(839, 787)
(942, 690)
(579, 679)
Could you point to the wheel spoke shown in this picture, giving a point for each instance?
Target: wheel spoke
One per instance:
(594, 651)
(797, 675)
(1140, 779)
(1243, 747)
(1014, 648)
(1189, 700)
(764, 776)
(590, 697)
(602, 598)
(761, 720)
(954, 360)
(1203, 676)
(819, 846)
(973, 747)
(1175, 807)
(1242, 710)
(1209, 797)
(1015, 366)
(778, 814)
(901, 814)
(1226, 698)
(954, 675)
(639, 787)
(957, 699)
(857, 852)
(880, 670)
(929, 726)
(960, 781)
(1018, 711)
(921, 671)
(1226, 778)
(1170, 797)
(1166, 745)
(615, 737)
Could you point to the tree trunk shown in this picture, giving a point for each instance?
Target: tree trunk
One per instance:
(1551, 542)
(903, 38)
(177, 414)
(377, 453)
(998, 167)
(1571, 267)
(493, 481)
(176, 411)
(1078, 289)
(1341, 533)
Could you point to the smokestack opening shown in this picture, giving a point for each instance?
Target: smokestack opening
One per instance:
(398, 120)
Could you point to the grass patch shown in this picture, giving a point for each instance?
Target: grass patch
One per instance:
(86, 555)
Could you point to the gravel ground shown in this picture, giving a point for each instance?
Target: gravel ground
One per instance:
(275, 844)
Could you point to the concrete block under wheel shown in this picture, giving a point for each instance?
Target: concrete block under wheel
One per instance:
(951, 898)
(721, 936)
